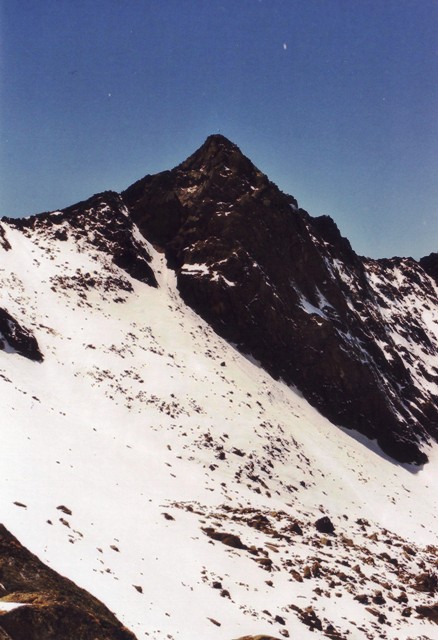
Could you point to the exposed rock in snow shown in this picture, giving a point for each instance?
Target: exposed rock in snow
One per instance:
(3, 240)
(15, 338)
(38, 604)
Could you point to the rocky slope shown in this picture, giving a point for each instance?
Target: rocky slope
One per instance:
(201, 495)
(358, 337)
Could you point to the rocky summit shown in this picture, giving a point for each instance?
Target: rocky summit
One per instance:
(216, 418)
(353, 335)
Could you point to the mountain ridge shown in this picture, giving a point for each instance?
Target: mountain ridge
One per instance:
(286, 288)
(150, 461)
(211, 199)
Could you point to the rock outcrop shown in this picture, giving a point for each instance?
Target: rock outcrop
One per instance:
(3, 240)
(16, 338)
(430, 265)
(104, 223)
(48, 606)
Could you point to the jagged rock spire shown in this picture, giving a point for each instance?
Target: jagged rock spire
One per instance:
(289, 289)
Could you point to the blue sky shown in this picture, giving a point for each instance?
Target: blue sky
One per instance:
(336, 100)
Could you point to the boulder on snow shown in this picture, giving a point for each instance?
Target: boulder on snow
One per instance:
(430, 612)
(262, 637)
(426, 582)
(325, 525)
(230, 539)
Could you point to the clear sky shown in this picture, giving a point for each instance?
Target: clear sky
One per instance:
(336, 100)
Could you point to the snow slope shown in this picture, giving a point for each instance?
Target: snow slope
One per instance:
(158, 468)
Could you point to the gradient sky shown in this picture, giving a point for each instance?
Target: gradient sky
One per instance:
(336, 100)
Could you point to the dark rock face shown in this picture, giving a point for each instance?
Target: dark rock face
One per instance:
(3, 240)
(289, 290)
(430, 265)
(14, 337)
(53, 607)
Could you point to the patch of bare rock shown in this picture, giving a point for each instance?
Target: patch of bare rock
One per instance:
(48, 606)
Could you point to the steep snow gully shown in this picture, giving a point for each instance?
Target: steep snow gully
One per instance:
(178, 369)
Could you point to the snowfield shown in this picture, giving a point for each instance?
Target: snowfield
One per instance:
(169, 475)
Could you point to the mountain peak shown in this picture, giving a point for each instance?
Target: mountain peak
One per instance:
(217, 142)
(209, 183)
(217, 152)
(289, 290)
(219, 139)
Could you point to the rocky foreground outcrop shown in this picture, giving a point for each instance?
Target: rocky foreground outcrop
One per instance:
(48, 606)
